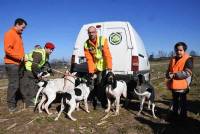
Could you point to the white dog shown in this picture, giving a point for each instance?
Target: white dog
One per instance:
(73, 97)
(59, 85)
(114, 90)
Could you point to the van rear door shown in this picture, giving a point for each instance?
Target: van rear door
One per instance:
(120, 47)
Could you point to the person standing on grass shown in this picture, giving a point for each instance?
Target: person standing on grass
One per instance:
(179, 78)
(14, 57)
(99, 60)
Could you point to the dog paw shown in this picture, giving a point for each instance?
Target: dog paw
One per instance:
(50, 114)
(87, 111)
(107, 110)
(138, 114)
(40, 111)
(73, 119)
(116, 113)
(56, 119)
(155, 117)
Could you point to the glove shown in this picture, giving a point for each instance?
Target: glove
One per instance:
(109, 70)
(91, 75)
(49, 70)
(171, 75)
(39, 76)
(43, 75)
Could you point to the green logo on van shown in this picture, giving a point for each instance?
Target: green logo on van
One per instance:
(115, 38)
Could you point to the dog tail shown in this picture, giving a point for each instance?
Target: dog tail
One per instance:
(141, 94)
(37, 95)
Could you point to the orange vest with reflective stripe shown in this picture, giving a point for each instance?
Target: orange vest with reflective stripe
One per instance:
(177, 67)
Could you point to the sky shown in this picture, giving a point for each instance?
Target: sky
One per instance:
(160, 23)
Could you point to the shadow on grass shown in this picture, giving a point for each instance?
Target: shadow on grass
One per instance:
(188, 126)
(165, 124)
(192, 105)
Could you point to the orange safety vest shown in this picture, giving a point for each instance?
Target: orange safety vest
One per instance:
(178, 66)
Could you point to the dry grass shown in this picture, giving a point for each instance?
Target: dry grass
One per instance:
(126, 123)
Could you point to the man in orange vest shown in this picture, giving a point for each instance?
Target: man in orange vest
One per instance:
(179, 78)
(14, 56)
(99, 61)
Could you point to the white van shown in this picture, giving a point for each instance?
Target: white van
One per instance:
(129, 56)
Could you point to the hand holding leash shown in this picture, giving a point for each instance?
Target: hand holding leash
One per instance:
(53, 70)
(93, 76)
(171, 75)
(43, 75)
(108, 70)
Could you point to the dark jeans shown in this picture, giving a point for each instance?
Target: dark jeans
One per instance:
(180, 103)
(99, 90)
(13, 83)
(28, 87)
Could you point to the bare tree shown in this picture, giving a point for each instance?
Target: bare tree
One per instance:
(193, 53)
(162, 54)
(171, 53)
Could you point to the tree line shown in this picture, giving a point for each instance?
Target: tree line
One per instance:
(63, 63)
(166, 55)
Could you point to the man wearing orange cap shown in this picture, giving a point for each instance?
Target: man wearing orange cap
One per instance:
(37, 59)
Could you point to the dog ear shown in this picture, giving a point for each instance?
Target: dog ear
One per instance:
(105, 79)
(77, 82)
(114, 85)
(141, 79)
(107, 75)
(73, 74)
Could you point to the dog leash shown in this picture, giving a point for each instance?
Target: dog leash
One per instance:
(57, 71)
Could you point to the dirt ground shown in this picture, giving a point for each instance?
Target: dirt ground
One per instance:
(127, 122)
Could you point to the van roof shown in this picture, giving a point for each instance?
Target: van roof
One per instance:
(106, 22)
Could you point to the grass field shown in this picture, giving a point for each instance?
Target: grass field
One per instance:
(126, 123)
